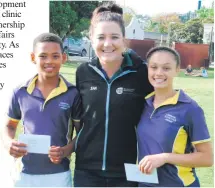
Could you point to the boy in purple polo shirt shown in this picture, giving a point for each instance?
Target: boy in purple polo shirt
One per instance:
(46, 104)
(172, 133)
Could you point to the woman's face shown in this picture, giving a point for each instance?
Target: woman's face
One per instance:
(162, 68)
(108, 42)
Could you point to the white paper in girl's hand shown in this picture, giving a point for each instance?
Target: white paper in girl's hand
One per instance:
(134, 174)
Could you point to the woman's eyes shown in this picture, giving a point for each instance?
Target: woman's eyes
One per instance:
(113, 37)
(153, 67)
(164, 68)
(100, 38)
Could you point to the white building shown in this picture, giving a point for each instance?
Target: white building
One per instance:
(135, 29)
(208, 33)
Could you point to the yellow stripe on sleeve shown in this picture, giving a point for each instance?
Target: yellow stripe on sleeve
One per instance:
(201, 141)
(184, 173)
(13, 122)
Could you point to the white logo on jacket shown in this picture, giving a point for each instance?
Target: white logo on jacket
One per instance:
(121, 90)
(93, 88)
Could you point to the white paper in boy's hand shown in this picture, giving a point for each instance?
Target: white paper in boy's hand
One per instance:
(134, 174)
(36, 143)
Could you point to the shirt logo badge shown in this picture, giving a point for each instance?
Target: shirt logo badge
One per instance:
(64, 105)
(170, 118)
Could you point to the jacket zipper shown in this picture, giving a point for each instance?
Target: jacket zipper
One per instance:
(107, 109)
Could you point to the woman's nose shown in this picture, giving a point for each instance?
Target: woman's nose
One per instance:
(107, 42)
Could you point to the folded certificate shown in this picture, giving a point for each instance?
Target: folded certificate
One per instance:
(134, 174)
(36, 143)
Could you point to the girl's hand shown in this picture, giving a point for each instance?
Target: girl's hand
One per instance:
(150, 162)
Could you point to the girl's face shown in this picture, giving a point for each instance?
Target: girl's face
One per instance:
(108, 42)
(162, 68)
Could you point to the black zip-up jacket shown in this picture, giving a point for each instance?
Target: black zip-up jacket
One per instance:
(112, 109)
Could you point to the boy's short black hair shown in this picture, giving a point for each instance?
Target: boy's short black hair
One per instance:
(165, 49)
(48, 37)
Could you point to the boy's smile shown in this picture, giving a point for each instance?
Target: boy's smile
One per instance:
(49, 68)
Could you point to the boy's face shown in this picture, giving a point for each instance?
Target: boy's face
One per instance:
(48, 58)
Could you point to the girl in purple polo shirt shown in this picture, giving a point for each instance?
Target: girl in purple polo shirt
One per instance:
(172, 133)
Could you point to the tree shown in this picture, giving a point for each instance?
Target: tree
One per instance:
(206, 14)
(176, 32)
(190, 32)
(61, 17)
(70, 17)
(151, 26)
(160, 23)
(127, 17)
(194, 31)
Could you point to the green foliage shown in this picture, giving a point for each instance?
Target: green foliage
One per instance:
(79, 26)
(206, 14)
(151, 26)
(160, 23)
(178, 28)
(176, 32)
(70, 17)
(194, 31)
(61, 17)
(187, 16)
(190, 32)
(127, 17)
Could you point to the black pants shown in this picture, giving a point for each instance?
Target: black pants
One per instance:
(85, 178)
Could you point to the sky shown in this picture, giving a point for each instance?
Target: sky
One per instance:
(153, 7)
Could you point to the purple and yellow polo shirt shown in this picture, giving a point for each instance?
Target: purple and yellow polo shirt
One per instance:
(51, 116)
(173, 127)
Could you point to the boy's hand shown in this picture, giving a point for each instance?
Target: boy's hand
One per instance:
(16, 149)
(150, 162)
(56, 154)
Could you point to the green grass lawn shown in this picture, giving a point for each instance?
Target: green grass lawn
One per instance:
(200, 89)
